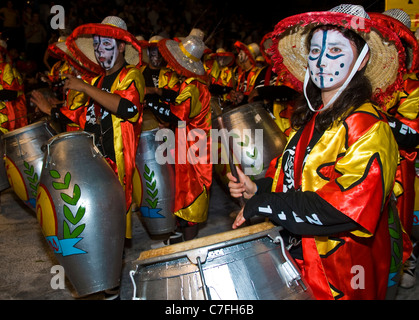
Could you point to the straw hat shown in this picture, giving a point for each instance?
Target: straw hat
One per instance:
(229, 56)
(185, 56)
(80, 42)
(399, 21)
(60, 51)
(385, 66)
(252, 50)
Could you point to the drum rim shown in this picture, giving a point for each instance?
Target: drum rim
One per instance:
(67, 134)
(25, 128)
(268, 229)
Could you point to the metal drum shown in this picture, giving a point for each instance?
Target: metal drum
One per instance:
(81, 209)
(249, 263)
(154, 185)
(23, 158)
(252, 150)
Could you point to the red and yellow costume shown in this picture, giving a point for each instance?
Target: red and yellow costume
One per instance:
(348, 159)
(193, 180)
(13, 113)
(128, 84)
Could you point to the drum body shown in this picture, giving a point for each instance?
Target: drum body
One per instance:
(256, 140)
(243, 264)
(23, 158)
(81, 209)
(155, 186)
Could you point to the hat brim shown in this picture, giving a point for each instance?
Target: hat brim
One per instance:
(241, 46)
(404, 33)
(229, 55)
(80, 44)
(60, 51)
(176, 59)
(385, 66)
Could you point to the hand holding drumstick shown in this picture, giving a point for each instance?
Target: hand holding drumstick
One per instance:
(244, 188)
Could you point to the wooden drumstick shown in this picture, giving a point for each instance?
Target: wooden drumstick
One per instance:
(229, 146)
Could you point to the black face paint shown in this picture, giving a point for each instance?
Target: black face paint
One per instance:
(106, 51)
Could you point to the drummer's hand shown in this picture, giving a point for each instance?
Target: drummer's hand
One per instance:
(253, 95)
(239, 219)
(245, 187)
(41, 102)
(73, 83)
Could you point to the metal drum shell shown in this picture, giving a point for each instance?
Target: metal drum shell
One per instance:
(251, 267)
(158, 186)
(94, 262)
(252, 116)
(24, 145)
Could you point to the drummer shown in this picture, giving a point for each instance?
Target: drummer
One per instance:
(162, 83)
(111, 105)
(331, 187)
(191, 110)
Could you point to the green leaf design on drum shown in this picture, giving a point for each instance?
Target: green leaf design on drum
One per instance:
(71, 198)
(151, 185)
(32, 177)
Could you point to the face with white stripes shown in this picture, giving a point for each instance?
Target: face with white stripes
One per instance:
(331, 59)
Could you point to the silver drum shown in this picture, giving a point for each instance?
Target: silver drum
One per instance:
(23, 158)
(249, 263)
(81, 209)
(252, 151)
(155, 187)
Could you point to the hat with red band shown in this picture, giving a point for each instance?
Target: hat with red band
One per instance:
(185, 56)
(80, 42)
(386, 63)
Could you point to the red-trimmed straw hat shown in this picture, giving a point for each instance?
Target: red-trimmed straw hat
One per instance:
(252, 50)
(185, 56)
(229, 56)
(399, 21)
(60, 51)
(80, 42)
(385, 66)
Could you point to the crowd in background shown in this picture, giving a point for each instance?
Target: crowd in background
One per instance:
(25, 24)
(27, 30)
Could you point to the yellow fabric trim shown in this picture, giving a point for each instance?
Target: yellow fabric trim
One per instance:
(186, 53)
(190, 92)
(197, 210)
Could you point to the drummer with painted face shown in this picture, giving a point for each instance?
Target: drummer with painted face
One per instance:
(111, 105)
(331, 188)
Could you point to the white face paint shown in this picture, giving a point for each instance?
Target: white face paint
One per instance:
(330, 59)
(106, 51)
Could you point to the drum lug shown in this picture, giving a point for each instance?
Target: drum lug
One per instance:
(198, 257)
(195, 254)
(289, 271)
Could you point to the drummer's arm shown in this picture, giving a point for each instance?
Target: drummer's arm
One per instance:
(161, 110)
(107, 100)
(47, 107)
(302, 213)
